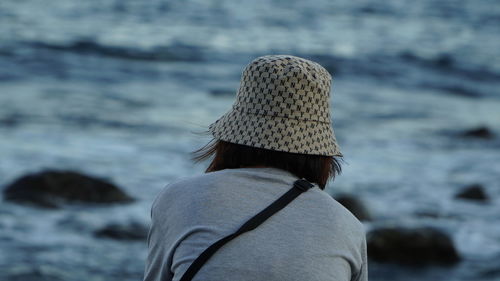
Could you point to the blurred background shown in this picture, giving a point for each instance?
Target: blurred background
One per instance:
(116, 90)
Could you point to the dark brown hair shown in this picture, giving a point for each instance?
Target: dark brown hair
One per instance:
(314, 168)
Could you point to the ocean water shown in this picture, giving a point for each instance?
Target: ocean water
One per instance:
(121, 89)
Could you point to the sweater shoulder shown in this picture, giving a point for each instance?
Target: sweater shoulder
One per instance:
(336, 214)
(184, 190)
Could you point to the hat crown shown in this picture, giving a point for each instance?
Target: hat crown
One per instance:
(285, 86)
(283, 104)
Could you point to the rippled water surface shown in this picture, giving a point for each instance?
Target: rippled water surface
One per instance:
(117, 88)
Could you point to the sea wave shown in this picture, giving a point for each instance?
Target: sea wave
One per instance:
(174, 52)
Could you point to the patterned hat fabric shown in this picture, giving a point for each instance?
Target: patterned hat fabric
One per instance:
(283, 104)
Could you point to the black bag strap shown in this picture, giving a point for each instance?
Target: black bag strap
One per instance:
(299, 186)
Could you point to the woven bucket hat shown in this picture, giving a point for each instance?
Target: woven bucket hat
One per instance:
(283, 104)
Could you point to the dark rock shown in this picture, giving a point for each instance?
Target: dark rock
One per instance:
(444, 60)
(10, 120)
(132, 231)
(355, 206)
(479, 132)
(473, 192)
(415, 246)
(50, 189)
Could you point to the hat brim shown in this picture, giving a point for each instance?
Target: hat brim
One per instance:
(276, 133)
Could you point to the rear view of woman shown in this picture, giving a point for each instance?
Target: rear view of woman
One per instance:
(274, 147)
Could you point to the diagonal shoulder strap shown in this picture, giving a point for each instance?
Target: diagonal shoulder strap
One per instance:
(299, 186)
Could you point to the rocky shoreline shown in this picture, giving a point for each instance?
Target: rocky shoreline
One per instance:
(415, 246)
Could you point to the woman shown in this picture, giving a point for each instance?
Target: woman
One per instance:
(277, 132)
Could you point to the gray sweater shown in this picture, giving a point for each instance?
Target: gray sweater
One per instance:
(313, 238)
